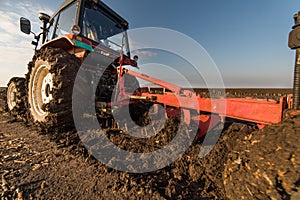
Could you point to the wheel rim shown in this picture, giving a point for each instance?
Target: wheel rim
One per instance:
(41, 89)
(11, 96)
(47, 88)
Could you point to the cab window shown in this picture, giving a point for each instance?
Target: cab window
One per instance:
(66, 20)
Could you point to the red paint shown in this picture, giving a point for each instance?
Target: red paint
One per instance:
(206, 123)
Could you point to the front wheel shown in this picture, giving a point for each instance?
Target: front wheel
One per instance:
(15, 97)
(50, 84)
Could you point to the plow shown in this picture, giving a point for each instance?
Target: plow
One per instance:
(85, 37)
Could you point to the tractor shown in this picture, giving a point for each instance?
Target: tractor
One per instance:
(77, 29)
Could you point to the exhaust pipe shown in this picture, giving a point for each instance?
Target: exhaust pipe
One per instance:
(296, 89)
(294, 43)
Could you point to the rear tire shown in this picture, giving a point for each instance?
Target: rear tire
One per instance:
(16, 97)
(50, 84)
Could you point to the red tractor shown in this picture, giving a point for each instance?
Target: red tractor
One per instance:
(76, 29)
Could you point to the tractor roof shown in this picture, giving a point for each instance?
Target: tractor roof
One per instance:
(115, 16)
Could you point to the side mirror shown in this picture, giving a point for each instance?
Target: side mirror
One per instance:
(25, 25)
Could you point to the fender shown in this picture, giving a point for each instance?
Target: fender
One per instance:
(72, 44)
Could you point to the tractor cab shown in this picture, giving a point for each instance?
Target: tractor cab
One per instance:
(93, 22)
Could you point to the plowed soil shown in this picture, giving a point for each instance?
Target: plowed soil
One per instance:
(246, 163)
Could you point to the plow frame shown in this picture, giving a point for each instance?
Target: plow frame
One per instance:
(211, 111)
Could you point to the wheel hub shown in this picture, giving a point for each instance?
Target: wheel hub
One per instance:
(47, 88)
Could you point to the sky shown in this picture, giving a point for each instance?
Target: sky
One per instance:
(247, 40)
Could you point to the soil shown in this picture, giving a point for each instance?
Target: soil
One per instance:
(246, 163)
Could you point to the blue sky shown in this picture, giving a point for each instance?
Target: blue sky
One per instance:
(246, 39)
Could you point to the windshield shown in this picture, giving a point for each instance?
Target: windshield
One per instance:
(101, 29)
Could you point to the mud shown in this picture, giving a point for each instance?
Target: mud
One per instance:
(245, 164)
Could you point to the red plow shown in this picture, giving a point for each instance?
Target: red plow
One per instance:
(211, 111)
